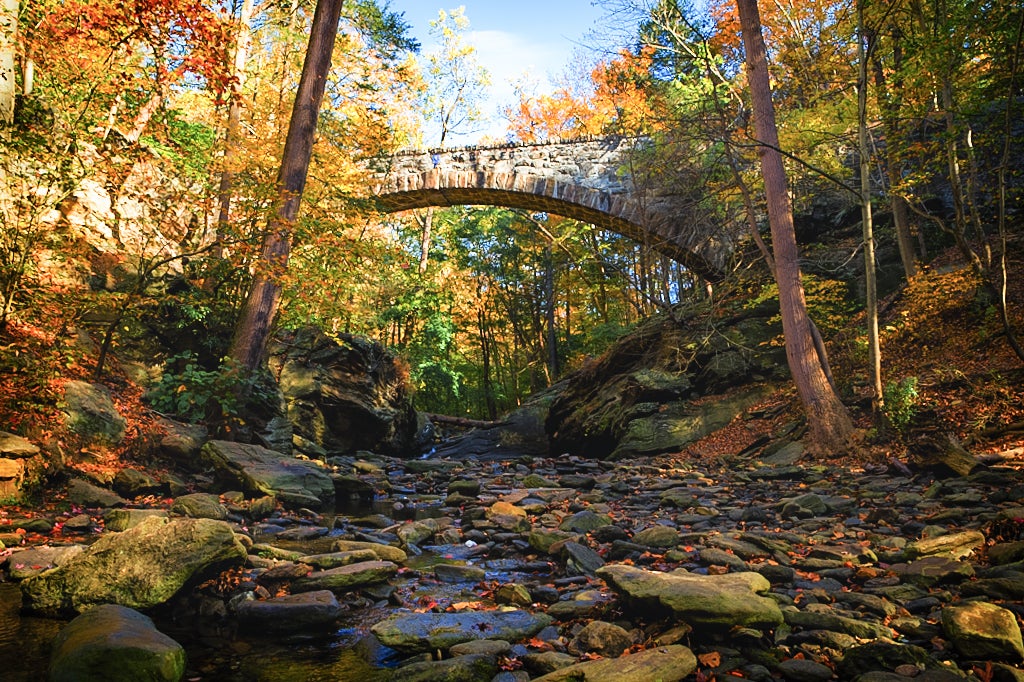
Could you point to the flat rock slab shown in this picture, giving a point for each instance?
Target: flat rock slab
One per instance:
(31, 562)
(666, 663)
(111, 643)
(344, 578)
(139, 568)
(296, 482)
(714, 601)
(291, 613)
(419, 632)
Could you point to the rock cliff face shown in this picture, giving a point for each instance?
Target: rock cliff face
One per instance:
(346, 395)
(638, 398)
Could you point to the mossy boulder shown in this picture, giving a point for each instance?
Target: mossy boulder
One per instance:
(139, 568)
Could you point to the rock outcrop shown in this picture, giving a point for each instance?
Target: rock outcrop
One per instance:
(257, 470)
(642, 396)
(139, 568)
(346, 395)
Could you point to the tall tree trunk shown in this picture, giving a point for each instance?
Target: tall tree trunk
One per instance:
(827, 417)
(8, 53)
(867, 220)
(549, 309)
(426, 219)
(253, 327)
(231, 136)
(890, 96)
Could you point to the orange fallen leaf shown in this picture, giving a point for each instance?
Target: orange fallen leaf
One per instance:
(712, 659)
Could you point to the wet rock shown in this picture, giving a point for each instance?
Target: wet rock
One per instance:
(384, 552)
(667, 664)
(883, 657)
(295, 482)
(606, 639)
(490, 647)
(803, 670)
(335, 559)
(459, 573)
(584, 522)
(468, 668)
(200, 506)
(548, 662)
(513, 594)
(139, 568)
(715, 602)
(344, 578)
(984, 631)
(111, 643)
(417, 632)
(580, 559)
(826, 619)
(307, 611)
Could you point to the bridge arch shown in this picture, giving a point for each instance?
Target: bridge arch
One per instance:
(578, 179)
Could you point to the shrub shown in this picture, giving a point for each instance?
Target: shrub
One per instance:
(900, 400)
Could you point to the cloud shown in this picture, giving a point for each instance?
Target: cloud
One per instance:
(502, 54)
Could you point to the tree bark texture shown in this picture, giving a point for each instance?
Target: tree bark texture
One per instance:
(234, 124)
(8, 53)
(828, 419)
(253, 327)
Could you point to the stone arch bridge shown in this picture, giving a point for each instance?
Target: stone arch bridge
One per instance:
(585, 179)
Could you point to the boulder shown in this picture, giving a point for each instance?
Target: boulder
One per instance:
(605, 639)
(22, 467)
(718, 602)
(638, 398)
(419, 632)
(139, 568)
(347, 394)
(90, 412)
(290, 613)
(132, 483)
(85, 494)
(111, 643)
(200, 506)
(258, 470)
(181, 441)
(665, 663)
(983, 631)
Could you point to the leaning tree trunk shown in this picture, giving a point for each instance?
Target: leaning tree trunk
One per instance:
(827, 417)
(253, 327)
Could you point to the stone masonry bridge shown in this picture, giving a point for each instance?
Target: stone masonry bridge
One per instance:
(586, 180)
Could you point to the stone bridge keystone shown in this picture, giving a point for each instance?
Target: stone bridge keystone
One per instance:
(580, 179)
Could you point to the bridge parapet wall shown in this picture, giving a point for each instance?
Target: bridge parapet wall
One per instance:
(590, 163)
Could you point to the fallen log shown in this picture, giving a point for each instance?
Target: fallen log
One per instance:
(464, 422)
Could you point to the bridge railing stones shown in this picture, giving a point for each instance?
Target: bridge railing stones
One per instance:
(584, 179)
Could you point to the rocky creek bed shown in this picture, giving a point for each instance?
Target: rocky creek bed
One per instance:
(549, 569)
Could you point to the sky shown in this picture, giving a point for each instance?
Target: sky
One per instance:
(512, 38)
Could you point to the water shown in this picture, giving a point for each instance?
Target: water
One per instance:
(24, 640)
(217, 652)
